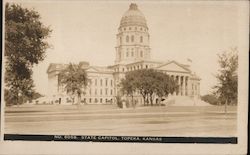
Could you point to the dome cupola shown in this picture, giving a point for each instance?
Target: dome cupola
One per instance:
(133, 37)
(133, 17)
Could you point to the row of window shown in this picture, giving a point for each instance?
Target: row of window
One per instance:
(105, 91)
(132, 53)
(194, 87)
(95, 100)
(131, 68)
(102, 82)
(134, 28)
(132, 39)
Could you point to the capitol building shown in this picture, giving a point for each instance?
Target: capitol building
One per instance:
(133, 52)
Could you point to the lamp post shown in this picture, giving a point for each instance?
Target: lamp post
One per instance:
(226, 92)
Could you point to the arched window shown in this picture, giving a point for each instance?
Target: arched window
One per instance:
(119, 55)
(120, 40)
(127, 38)
(141, 39)
(132, 38)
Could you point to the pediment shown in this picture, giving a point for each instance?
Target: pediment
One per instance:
(173, 66)
(92, 69)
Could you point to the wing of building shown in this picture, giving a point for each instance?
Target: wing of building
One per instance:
(132, 53)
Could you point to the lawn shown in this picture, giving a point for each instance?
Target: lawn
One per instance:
(110, 120)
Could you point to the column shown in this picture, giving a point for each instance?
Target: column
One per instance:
(187, 87)
(184, 85)
(179, 83)
(172, 77)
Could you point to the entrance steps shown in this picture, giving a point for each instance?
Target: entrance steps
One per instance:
(185, 101)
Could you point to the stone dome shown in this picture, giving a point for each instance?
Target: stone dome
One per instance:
(133, 17)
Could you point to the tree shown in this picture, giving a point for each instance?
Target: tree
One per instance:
(227, 77)
(74, 81)
(210, 98)
(25, 46)
(149, 83)
(165, 85)
(128, 85)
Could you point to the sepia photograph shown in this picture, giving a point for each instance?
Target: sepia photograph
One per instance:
(124, 71)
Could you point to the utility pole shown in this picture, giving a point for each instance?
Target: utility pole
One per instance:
(226, 106)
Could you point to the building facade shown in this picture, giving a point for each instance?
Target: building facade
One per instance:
(132, 53)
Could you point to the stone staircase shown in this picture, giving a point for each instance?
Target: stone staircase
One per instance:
(185, 101)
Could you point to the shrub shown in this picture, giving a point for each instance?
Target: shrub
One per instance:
(118, 101)
(212, 99)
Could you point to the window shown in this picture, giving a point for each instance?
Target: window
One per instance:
(132, 52)
(95, 82)
(96, 100)
(100, 91)
(124, 29)
(89, 91)
(127, 38)
(111, 92)
(119, 55)
(111, 82)
(146, 66)
(141, 39)
(106, 82)
(141, 29)
(101, 82)
(135, 28)
(106, 91)
(95, 91)
(127, 54)
(122, 69)
(120, 40)
(132, 38)
(141, 53)
(129, 28)
(100, 100)
(89, 100)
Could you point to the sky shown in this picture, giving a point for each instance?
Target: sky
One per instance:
(86, 31)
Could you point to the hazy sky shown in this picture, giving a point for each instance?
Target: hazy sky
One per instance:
(86, 31)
